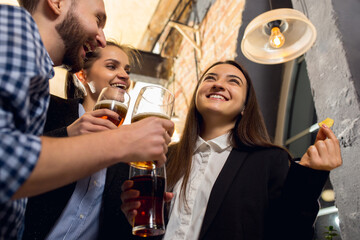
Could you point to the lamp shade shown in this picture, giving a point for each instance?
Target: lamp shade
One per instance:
(299, 33)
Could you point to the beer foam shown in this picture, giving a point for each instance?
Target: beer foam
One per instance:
(112, 102)
(140, 116)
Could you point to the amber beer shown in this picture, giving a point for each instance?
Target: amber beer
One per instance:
(115, 106)
(138, 117)
(150, 218)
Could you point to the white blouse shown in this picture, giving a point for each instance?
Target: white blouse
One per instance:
(208, 159)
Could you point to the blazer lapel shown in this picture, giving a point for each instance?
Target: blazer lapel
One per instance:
(221, 186)
(120, 171)
(115, 176)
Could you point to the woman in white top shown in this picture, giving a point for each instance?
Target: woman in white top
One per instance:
(229, 181)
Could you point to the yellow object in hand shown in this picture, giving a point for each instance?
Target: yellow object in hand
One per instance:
(328, 122)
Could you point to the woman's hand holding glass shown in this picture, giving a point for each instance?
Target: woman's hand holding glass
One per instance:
(115, 99)
(130, 204)
(109, 112)
(92, 122)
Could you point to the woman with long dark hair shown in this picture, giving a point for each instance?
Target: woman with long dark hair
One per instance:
(229, 181)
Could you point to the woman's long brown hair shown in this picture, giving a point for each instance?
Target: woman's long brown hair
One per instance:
(249, 132)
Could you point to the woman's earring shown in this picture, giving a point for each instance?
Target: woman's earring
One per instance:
(92, 87)
(242, 111)
(79, 84)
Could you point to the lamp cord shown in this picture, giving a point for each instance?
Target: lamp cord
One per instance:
(196, 21)
(304, 8)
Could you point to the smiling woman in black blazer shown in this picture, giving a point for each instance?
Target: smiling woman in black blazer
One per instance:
(109, 66)
(229, 180)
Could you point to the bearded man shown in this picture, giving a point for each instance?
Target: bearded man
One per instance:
(58, 32)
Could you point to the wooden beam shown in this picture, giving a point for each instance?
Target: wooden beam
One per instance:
(161, 16)
(171, 41)
(185, 30)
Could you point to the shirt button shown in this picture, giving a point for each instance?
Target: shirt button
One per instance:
(81, 216)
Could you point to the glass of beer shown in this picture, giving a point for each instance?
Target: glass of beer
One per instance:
(152, 101)
(152, 184)
(115, 99)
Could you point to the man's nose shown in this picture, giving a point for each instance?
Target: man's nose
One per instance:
(100, 38)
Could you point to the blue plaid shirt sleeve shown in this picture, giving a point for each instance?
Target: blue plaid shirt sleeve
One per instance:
(25, 68)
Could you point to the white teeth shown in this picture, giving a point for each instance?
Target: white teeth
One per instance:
(119, 85)
(217, 96)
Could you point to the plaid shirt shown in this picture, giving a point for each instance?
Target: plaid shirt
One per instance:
(25, 68)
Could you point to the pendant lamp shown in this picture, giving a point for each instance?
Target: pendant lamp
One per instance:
(278, 36)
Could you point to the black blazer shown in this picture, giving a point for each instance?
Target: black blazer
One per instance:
(255, 197)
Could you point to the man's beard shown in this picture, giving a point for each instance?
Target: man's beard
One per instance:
(74, 37)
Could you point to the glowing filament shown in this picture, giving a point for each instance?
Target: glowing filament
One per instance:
(276, 39)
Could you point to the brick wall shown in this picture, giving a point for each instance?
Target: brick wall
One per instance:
(219, 32)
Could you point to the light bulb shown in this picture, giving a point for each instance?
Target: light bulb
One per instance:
(276, 39)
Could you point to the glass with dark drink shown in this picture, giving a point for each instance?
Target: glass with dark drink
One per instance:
(152, 101)
(114, 99)
(152, 184)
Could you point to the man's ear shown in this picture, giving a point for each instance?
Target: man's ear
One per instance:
(55, 6)
(81, 75)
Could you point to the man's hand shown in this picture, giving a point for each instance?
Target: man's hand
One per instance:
(325, 153)
(145, 140)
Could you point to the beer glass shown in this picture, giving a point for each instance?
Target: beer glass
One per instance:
(152, 184)
(154, 101)
(115, 99)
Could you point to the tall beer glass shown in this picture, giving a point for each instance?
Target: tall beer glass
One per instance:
(115, 99)
(153, 101)
(148, 178)
(151, 184)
